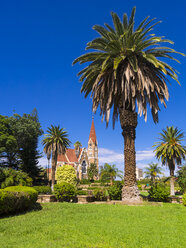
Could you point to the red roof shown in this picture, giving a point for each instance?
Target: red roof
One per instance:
(92, 135)
(69, 156)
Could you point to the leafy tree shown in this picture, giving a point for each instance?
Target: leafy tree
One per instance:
(26, 129)
(18, 143)
(110, 172)
(8, 144)
(92, 171)
(170, 150)
(13, 178)
(67, 174)
(125, 73)
(55, 142)
(153, 171)
(181, 178)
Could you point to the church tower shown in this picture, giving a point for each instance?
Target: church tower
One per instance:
(93, 146)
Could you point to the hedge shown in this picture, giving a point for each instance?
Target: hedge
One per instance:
(43, 189)
(65, 192)
(16, 199)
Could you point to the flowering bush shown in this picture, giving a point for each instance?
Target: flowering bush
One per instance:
(66, 174)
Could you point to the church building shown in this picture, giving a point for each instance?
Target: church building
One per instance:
(81, 158)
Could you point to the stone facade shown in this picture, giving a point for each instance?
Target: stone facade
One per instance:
(93, 146)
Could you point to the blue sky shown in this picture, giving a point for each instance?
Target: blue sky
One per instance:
(39, 41)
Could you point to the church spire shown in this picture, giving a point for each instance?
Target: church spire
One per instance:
(92, 135)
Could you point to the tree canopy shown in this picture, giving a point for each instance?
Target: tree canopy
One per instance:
(126, 67)
(19, 142)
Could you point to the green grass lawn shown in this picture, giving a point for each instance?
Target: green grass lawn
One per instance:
(60, 225)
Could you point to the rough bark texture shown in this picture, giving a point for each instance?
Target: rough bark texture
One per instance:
(54, 160)
(172, 192)
(128, 120)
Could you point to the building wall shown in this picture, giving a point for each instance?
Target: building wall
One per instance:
(139, 173)
(93, 153)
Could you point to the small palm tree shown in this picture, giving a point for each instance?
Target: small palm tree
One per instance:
(110, 172)
(77, 146)
(153, 171)
(170, 151)
(125, 73)
(92, 172)
(55, 143)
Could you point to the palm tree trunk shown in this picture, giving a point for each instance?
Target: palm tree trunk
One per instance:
(111, 180)
(53, 169)
(128, 120)
(48, 174)
(153, 180)
(172, 192)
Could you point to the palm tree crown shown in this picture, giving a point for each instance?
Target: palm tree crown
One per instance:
(125, 68)
(77, 144)
(56, 140)
(110, 172)
(170, 150)
(153, 171)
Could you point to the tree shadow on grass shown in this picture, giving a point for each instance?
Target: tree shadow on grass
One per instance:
(35, 207)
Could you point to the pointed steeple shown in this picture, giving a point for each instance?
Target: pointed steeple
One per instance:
(92, 135)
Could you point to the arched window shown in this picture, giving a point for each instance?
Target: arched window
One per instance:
(84, 167)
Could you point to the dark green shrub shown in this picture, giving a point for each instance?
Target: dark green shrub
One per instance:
(82, 192)
(119, 184)
(2, 176)
(115, 191)
(64, 192)
(31, 193)
(159, 192)
(100, 194)
(43, 189)
(184, 199)
(17, 199)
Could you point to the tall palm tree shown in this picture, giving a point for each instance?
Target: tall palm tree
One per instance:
(125, 73)
(110, 172)
(55, 142)
(170, 151)
(153, 171)
(48, 158)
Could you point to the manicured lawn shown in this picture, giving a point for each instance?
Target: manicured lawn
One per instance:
(60, 225)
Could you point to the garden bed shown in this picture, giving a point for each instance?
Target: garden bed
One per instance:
(85, 198)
